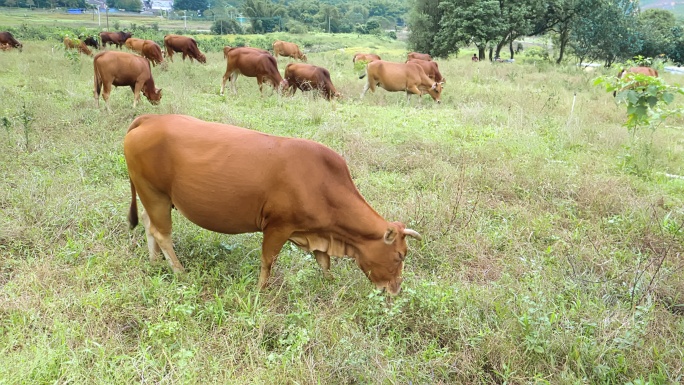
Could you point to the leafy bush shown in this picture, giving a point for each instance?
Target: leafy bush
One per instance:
(226, 27)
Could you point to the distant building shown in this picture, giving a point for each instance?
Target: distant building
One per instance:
(161, 5)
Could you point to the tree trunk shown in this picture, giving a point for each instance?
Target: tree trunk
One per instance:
(481, 53)
(564, 39)
(510, 48)
(491, 49)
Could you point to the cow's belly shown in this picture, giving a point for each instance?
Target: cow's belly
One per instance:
(228, 211)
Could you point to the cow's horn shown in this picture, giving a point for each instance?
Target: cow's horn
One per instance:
(412, 233)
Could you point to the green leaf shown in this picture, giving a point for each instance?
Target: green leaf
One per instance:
(668, 97)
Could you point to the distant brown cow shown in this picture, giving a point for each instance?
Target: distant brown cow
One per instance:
(431, 69)
(309, 77)
(186, 45)
(115, 38)
(153, 52)
(6, 38)
(629, 72)
(124, 69)
(421, 56)
(5, 47)
(77, 45)
(135, 44)
(252, 63)
(394, 77)
(284, 48)
(367, 57)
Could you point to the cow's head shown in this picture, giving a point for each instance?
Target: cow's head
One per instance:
(302, 57)
(382, 260)
(436, 91)
(201, 58)
(154, 97)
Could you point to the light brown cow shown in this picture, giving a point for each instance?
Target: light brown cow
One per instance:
(309, 77)
(252, 63)
(393, 77)
(135, 44)
(153, 52)
(234, 180)
(227, 49)
(417, 55)
(431, 69)
(5, 47)
(124, 69)
(77, 45)
(367, 57)
(284, 48)
(6, 38)
(625, 73)
(185, 45)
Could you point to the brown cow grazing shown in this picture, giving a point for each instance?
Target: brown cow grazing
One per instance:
(421, 56)
(367, 57)
(115, 38)
(6, 38)
(431, 69)
(124, 69)
(5, 47)
(625, 73)
(309, 77)
(284, 48)
(185, 45)
(234, 180)
(393, 77)
(153, 52)
(227, 49)
(135, 44)
(252, 63)
(77, 45)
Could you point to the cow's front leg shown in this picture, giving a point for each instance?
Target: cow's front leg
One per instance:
(323, 260)
(274, 239)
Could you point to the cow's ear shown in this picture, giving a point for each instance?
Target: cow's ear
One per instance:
(158, 91)
(390, 235)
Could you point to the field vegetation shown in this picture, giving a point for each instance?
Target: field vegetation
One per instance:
(552, 248)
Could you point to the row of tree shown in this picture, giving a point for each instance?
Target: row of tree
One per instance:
(594, 30)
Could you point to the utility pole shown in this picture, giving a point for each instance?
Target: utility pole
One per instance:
(185, 17)
(107, 14)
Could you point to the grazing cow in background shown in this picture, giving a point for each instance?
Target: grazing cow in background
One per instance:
(186, 45)
(431, 69)
(393, 77)
(421, 56)
(628, 72)
(309, 77)
(115, 38)
(124, 69)
(5, 47)
(90, 41)
(135, 44)
(233, 180)
(6, 38)
(77, 45)
(367, 57)
(284, 48)
(252, 63)
(153, 52)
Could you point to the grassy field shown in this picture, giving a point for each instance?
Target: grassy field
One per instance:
(551, 251)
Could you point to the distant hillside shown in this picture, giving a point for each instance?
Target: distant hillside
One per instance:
(676, 6)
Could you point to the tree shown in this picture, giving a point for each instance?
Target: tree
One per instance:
(560, 17)
(656, 26)
(424, 21)
(264, 15)
(190, 5)
(607, 31)
(462, 24)
(224, 26)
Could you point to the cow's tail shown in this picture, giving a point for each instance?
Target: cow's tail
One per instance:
(97, 80)
(133, 210)
(365, 72)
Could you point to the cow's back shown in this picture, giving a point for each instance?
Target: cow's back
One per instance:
(251, 176)
(121, 68)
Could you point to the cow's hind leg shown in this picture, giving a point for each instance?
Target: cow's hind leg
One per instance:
(233, 82)
(274, 239)
(152, 245)
(158, 225)
(323, 260)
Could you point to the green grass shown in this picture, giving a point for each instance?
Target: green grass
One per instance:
(540, 236)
